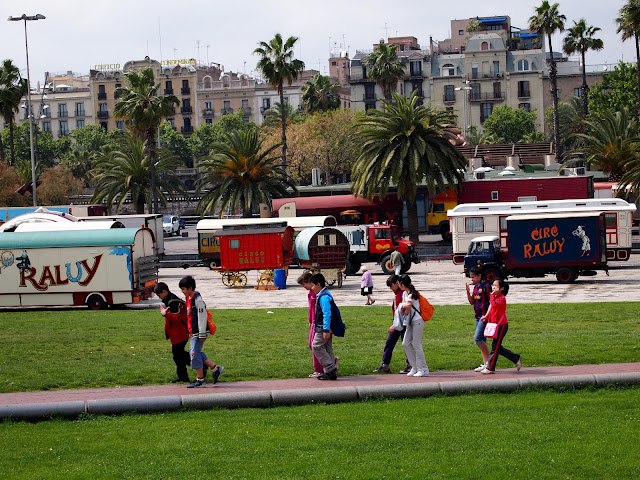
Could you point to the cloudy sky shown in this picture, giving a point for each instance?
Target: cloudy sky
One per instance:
(77, 35)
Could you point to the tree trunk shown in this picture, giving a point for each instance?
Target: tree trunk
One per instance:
(638, 68)
(151, 150)
(11, 145)
(585, 89)
(412, 220)
(283, 118)
(246, 212)
(553, 76)
(2, 155)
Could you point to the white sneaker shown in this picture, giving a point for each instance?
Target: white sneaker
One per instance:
(422, 373)
(412, 372)
(519, 363)
(486, 371)
(480, 368)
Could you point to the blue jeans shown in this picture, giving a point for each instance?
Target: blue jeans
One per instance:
(479, 337)
(197, 355)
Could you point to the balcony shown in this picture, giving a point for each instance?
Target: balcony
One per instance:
(483, 97)
(63, 114)
(168, 91)
(104, 114)
(186, 109)
(227, 111)
(186, 129)
(369, 97)
(102, 95)
(246, 110)
(185, 91)
(116, 95)
(80, 113)
(63, 133)
(524, 93)
(207, 112)
(449, 98)
(485, 76)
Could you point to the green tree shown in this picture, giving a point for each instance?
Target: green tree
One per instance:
(580, 39)
(47, 150)
(571, 122)
(385, 68)
(629, 26)
(143, 110)
(405, 145)
(278, 66)
(548, 21)
(206, 135)
(125, 172)
(618, 89)
(243, 174)
(510, 125)
(320, 95)
(273, 116)
(177, 144)
(12, 88)
(610, 142)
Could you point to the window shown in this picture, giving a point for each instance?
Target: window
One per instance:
(460, 32)
(120, 124)
(172, 122)
(370, 91)
(485, 111)
(496, 68)
(286, 100)
(448, 70)
(494, 195)
(102, 94)
(168, 87)
(577, 92)
(473, 224)
(484, 46)
(226, 107)
(525, 106)
(474, 70)
(369, 106)
(46, 126)
(235, 243)
(416, 68)
(245, 103)
(79, 123)
(523, 88)
(610, 220)
(208, 120)
(416, 86)
(104, 125)
(62, 110)
(557, 93)
(266, 103)
(381, 234)
(208, 105)
(185, 87)
(46, 111)
(475, 91)
(497, 90)
(80, 109)
(523, 65)
(503, 224)
(115, 93)
(64, 128)
(102, 107)
(449, 95)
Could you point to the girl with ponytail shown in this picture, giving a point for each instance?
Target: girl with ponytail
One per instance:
(414, 325)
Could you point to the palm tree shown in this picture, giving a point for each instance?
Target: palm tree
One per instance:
(144, 111)
(547, 21)
(404, 145)
(12, 88)
(125, 172)
(278, 66)
(629, 26)
(320, 94)
(581, 39)
(611, 142)
(385, 68)
(243, 174)
(273, 116)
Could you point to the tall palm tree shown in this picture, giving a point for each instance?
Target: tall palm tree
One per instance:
(12, 88)
(581, 39)
(243, 174)
(125, 172)
(385, 68)
(278, 66)
(405, 145)
(320, 94)
(547, 21)
(144, 110)
(629, 26)
(610, 141)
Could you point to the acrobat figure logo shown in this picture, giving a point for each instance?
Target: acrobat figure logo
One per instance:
(586, 243)
(23, 263)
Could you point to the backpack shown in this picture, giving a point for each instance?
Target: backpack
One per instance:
(337, 325)
(426, 309)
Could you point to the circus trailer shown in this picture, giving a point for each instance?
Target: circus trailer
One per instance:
(96, 268)
(152, 221)
(323, 250)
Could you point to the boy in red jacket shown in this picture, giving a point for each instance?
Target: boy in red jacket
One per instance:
(175, 329)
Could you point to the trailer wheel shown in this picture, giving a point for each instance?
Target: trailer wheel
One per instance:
(491, 274)
(386, 264)
(212, 265)
(351, 267)
(96, 302)
(565, 275)
(444, 232)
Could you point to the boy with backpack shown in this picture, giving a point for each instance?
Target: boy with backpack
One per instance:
(175, 329)
(199, 330)
(327, 322)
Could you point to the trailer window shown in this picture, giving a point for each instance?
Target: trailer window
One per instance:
(234, 243)
(610, 220)
(503, 224)
(474, 224)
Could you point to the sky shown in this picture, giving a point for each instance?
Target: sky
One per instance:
(77, 35)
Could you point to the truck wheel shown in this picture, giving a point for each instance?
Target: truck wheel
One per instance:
(212, 265)
(405, 267)
(351, 267)
(96, 302)
(491, 274)
(445, 233)
(386, 265)
(565, 275)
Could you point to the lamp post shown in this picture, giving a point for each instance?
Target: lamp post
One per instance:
(464, 89)
(26, 17)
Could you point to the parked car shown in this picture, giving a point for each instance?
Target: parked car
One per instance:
(171, 225)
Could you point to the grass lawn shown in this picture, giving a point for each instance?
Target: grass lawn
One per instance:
(76, 348)
(592, 433)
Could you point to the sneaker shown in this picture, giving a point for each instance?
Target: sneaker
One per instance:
(412, 372)
(372, 302)
(180, 380)
(329, 376)
(382, 369)
(314, 374)
(519, 363)
(197, 383)
(480, 368)
(486, 371)
(216, 373)
(422, 373)
(405, 370)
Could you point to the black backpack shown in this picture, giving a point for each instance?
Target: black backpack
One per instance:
(337, 325)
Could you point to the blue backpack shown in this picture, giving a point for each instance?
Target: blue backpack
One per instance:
(337, 325)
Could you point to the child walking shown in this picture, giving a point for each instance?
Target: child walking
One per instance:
(175, 329)
(414, 326)
(199, 330)
(394, 335)
(305, 281)
(366, 286)
(497, 314)
(323, 339)
(480, 301)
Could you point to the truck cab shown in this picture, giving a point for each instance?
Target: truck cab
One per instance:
(484, 252)
(437, 219)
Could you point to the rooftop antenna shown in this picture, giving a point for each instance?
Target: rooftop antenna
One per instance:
(386, 32)
(208, 53)
(160, 38)
(198, 47)
(175, 50)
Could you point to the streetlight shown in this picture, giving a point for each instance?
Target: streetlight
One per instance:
(464, 105)
(26, 17)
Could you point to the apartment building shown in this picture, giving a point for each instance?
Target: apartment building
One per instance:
(340, 72)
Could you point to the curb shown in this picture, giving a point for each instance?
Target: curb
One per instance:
(303, 396)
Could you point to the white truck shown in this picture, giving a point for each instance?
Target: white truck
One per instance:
(96, 268)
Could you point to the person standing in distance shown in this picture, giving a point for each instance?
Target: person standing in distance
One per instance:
(397, 260)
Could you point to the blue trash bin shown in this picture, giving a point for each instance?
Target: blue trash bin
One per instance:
(280, 278)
